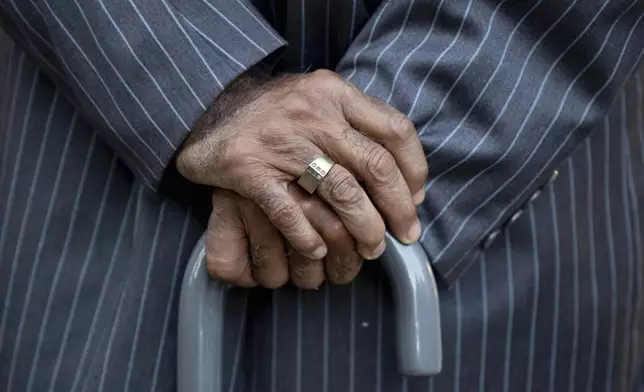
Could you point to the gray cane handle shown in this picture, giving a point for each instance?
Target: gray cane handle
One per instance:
(201, 313)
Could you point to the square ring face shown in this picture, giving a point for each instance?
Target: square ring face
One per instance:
(315, 173)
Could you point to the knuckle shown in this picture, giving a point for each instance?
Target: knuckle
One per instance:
(345, 191)
(325, 76)
(400, 127)
(184, 164)
(422, 170)
(284, 214)
(337, 233)
(307, 245)
(381, 166)
(297, 104)
(420, 173)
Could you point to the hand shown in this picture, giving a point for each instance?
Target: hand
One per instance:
(261, 135)
(244, 248)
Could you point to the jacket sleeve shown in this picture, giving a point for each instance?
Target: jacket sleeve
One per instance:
(142, 71)
(501, 92)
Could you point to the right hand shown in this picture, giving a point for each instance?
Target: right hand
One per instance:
(256, 140)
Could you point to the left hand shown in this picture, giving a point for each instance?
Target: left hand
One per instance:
(244, 248)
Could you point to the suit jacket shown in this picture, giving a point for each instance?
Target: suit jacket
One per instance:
(542, 273)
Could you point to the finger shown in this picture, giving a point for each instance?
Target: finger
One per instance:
(342, 192)
(287, 216)
(305, 273)
(342, 262)
(392, 129)
(227, 255)
(269, 264)
(378, 169)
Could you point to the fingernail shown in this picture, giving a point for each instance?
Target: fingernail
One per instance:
(414, 233)
(419, 197)
(380, 249)
(372, 254)
(319, 253)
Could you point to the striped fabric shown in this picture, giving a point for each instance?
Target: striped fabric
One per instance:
(545, 271)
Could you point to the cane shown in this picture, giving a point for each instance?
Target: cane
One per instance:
(201, 317)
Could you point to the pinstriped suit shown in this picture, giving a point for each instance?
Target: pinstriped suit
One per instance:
(545, 272)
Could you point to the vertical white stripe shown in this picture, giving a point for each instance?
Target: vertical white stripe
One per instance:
(21, 234)
(101, 299)
(636, 342)
(592, 266)
(484, 323)
(43, 236)
(509, 326)
(629, 213)
(611, 255)
(557, 288)
(575, 283)
(117, 317)
(380, 310)
(535, 297)
(353, 20)
(68, 237)
(325, 341)
(10, 121)
(144, 294)
(110, 341)
(178, 263)
(635, 366)
(302, 34)
(368, 43)
(6, 76)
(81, 279)
(10, 130)
(298, 343)
(241, 333)
(459, 336)
(5, 222)
(274, 326)
(327, 60)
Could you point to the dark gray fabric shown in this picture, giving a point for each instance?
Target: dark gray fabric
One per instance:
(545, 273)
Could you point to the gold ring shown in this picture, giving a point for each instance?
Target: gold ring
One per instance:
(315, 173)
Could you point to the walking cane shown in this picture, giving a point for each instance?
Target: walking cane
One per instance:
(201, 313)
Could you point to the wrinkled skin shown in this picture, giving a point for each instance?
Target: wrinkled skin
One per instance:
(260, 136)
